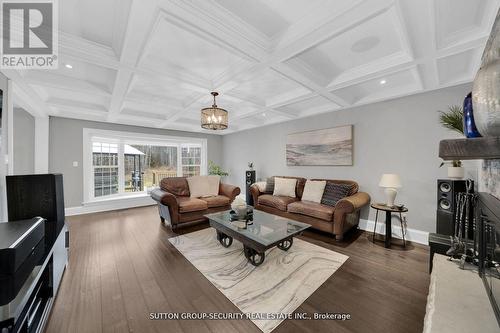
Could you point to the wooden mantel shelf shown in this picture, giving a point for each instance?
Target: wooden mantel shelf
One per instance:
(470, 149)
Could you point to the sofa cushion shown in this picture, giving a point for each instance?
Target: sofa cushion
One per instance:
(277, 202)
(312, 209)
(216, 201)
(334, 192)
(284, 187)
(176, 185)
(300, 184)
(313, 190)
(203, 186)
(269, 185)
(354, 188)
(261, 186)
(187, 204)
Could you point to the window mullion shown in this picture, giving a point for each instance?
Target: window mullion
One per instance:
(121, 168)
(179, 160)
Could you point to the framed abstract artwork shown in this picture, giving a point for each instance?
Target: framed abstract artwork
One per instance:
(330, 146)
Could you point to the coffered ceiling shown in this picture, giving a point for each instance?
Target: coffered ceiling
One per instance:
(154, 62)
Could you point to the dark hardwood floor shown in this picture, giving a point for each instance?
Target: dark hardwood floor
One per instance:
(122, 267)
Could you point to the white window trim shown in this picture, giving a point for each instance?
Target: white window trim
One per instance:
(131, 137)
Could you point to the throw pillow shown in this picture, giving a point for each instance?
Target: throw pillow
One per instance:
(203, 186)
(261, 186)
(269, 185)
(334, 192)
(213, 185)
(313, 190)
(285, 187)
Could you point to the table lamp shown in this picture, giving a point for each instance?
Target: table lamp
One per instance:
(390, 182)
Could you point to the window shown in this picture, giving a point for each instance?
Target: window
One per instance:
(146, 165)
(105, 168)
(121, 164)
(191, 160)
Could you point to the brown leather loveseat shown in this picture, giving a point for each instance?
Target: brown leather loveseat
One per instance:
(336, 220)
(177, 207)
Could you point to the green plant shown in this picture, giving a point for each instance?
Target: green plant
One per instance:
(453, 119)
(214, 169)
(454, 163)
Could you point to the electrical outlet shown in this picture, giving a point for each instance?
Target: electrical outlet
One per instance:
(75, 164)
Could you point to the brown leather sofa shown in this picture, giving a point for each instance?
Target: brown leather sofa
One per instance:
(335, 220)
(178, 208)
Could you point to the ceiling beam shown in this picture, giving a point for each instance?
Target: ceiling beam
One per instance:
(136, 35)
(79, 86)
(309, 84)
(176, 115)
(25, 96)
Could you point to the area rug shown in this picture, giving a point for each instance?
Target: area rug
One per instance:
(265, 293)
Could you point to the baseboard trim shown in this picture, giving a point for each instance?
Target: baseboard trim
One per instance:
(109, 205)
(413, 235)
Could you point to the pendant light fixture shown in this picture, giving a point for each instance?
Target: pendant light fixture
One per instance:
(213, 117)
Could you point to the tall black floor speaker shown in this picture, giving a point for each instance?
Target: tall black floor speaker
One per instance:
(447, 190)
(37, 195)
(249, 180)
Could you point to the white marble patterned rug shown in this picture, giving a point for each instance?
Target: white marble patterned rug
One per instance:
(278, 286)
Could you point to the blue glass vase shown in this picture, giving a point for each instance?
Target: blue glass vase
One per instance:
(470, 129)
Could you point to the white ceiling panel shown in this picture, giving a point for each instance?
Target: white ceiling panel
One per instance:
(461, 20)
(188, 121)
(264, 118)
(50, 94)
(309, 106)
(368, 43)
(99, 21)
(164, 92)
(395, 84)
(143, 114)
(189, 53)
(267, 88)
(235, 107)
(460, 67)
(271, 17)
(81, 74)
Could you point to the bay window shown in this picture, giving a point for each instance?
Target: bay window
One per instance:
(120, 164)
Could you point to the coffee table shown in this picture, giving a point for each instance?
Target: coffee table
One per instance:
(264, 232)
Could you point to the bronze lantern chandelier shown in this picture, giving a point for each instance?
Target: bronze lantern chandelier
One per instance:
(214, 117)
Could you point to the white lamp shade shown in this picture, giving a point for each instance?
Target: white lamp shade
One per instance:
(390, 180)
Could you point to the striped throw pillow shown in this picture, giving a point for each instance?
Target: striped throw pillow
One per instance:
(269, 185)
(334, 192)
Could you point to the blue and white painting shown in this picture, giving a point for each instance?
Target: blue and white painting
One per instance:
(331, 146)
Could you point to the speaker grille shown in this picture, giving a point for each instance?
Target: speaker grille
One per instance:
(447, 190)
(444, 204)
(445, 187)
(249, 180)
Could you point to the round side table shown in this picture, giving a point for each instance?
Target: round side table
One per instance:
(388, 216)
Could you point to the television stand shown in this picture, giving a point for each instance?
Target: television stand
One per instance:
(29, 310)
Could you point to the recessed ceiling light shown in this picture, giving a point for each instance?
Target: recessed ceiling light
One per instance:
(365, 44)
(263, 114)
(69, 66)
(383, 81)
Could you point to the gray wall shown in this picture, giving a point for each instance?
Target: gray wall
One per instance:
(24, 142)
(398, 136)
(66, 146)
